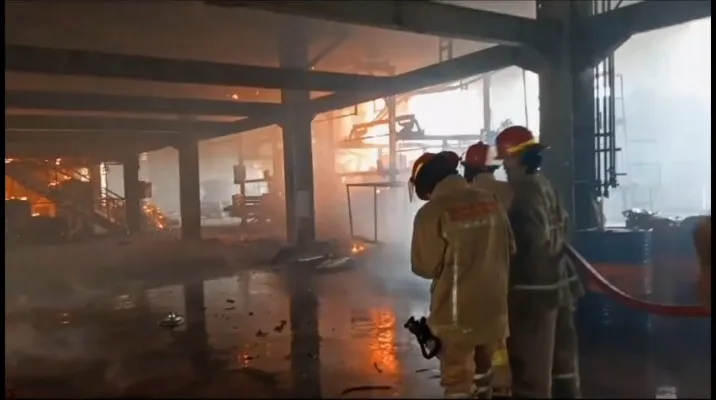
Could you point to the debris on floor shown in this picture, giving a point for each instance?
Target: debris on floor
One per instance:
(172, 320)
(364, 388)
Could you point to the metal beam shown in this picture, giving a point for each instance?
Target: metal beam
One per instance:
(41, 100)
(472, 64)
(417, 16)
(45, 122)
(649, 15)
(604, 33)
(21, 58)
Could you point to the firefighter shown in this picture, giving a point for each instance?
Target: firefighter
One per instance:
(542, 345)
(479, 164)
(702, 242)
(480, 167)
(462, 242)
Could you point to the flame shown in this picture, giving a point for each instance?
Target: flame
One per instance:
(357, 248)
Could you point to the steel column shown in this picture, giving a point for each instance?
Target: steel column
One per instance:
(391, 106)
(132, 195)
(567, 114)
(189, 190)
(297, 144)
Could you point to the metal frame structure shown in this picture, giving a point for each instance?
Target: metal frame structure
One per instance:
(376, 186)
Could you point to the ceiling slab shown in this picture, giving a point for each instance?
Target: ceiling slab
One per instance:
(417, 16)
(65, 101)
(21, 58)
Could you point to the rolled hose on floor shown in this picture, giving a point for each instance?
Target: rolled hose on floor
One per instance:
(667, 310)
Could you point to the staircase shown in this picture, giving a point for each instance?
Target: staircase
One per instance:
(42, 178)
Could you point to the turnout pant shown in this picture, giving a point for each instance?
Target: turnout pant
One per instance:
(465, 368)
(542, 350)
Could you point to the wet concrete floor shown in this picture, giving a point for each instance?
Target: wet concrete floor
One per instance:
(291, 332)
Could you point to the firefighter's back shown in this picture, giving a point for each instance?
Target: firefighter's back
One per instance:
(471, 294)
(500, 189)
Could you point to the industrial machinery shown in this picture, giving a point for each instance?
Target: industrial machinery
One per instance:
(410, 139)
(262, 208)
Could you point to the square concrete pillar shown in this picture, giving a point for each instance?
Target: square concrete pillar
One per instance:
(189, 190)
(566, 95)
(297, 144)
(132, 195)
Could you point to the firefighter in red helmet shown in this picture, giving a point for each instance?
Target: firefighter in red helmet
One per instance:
(462, 242)
(543, 284)
(480, 165)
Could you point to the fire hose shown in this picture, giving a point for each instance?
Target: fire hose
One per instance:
(668, 310)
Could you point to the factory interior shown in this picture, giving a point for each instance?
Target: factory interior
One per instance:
(209, 198)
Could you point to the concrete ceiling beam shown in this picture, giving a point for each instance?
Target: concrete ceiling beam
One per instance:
(97, 145)
(64, 101)
(480, 62)
(604, 33)
(477, 63)
(649, 15)
(41, 60)
(46, 122)
(417, 16)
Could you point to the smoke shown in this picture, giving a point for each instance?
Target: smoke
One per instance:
(665, 136)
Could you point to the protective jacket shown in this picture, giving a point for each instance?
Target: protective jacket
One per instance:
(540, 269)
(501, 190)
(462, 242)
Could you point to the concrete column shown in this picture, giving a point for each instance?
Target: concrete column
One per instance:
(95, 175)
(189, 190)
(132, 194)
(486, 104)
(297, 144)
(392, 139)
(567, 114)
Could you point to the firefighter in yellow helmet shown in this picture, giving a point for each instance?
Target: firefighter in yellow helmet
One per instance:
(480, 165)
(462, 242)
(543, 284)
(702, 242)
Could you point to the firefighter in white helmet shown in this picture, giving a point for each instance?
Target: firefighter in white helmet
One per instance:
(462, 242)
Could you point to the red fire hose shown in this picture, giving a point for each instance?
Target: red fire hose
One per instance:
(668, 310)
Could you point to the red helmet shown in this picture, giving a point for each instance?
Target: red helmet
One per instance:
(477, 155)
(514, 140)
